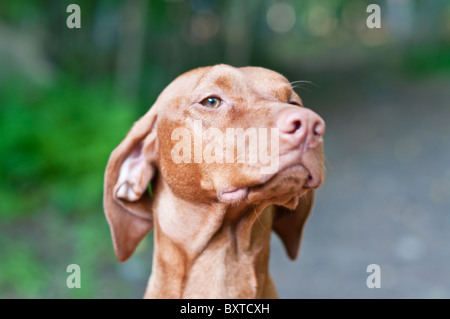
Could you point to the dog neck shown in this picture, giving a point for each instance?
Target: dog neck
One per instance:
(211, 251)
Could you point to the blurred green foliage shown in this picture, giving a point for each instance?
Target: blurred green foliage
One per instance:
(58, 141)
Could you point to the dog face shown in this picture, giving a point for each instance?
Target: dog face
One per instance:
(226, 108)
(217, 135)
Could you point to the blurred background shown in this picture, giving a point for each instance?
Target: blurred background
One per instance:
(68, 97)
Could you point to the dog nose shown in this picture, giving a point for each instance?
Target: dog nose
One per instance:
(299, 125)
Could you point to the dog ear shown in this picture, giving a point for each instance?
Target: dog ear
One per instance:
(289, 224)
(126, 201)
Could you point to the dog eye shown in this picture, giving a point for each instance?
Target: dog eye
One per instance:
(295, 103)
(212, 102)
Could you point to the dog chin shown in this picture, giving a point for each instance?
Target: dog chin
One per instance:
(283, 188)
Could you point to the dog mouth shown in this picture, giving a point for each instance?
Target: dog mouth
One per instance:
(233, 195)
(293, 180)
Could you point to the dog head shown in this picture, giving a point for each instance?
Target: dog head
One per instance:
(219, 135)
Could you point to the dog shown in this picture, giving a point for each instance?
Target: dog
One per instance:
(214, 201)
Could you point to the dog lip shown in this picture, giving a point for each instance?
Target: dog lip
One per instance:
(313, 178)
(265, 181)
(233, 195)
(294, 166)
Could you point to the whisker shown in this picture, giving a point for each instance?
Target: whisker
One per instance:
(326, 168)
(303, 82)
(259, 220)
(301, 85)
(257, 216)
(239, 156)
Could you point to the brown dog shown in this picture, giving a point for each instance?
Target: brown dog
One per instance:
(213, 205)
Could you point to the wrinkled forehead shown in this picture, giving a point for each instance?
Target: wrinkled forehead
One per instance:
(242, 81)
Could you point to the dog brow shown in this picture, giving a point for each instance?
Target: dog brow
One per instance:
(224, 82)
(283, 93)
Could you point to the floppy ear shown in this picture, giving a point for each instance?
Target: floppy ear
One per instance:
(289, 224)
(126, 201)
